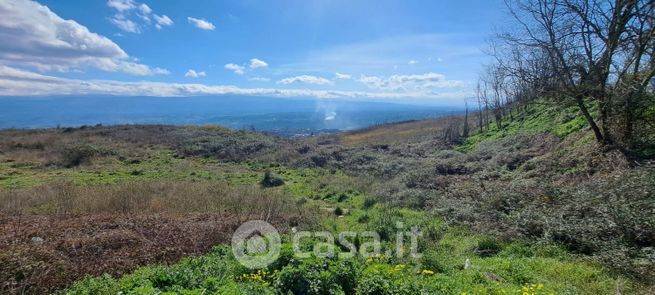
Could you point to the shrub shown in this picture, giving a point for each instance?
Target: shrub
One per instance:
(338, 211)
(488, 247)
(75, 155)
(271, 180)
(385, 279)
(369, 202)
(317, 276)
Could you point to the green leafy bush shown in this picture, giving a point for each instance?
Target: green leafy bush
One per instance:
(317, 276)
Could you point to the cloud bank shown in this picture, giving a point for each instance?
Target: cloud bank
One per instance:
(410, 82)
(307, 79)
(15, 82)
(35, 37)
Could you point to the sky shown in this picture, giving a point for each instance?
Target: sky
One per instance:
(381, 50)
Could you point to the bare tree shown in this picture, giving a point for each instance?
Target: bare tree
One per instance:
(478, 96)
(591, 47)
(465, 130)
(494, 92)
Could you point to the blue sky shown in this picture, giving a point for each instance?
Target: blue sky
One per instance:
(406, 51)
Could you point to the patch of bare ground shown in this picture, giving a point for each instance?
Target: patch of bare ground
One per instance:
(42, 254)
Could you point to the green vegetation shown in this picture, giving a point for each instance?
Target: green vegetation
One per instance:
(536, 207)
(516, 265)
(536, 118)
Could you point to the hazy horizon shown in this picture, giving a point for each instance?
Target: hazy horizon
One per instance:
(284, 116)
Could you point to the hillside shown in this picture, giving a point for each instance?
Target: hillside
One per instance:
(536, 206)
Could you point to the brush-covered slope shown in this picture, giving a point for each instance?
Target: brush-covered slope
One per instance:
(536, 206)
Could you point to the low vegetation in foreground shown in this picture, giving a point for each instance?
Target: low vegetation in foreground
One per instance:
(536, 207)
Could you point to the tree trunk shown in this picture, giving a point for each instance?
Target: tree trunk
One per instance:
(580, 102)
(604, 110)
(480, 118)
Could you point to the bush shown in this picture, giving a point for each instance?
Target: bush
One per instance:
(271, 180)
(317, 276)
(488, 247)
(369, 202)
(75, 155)
(338, 211)
(382, 279)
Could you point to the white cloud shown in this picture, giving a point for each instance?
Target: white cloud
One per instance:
(129, 68)
(257, 63)
(145, 9)
(121, 5)
(35, 37)
(133, 17)
(305, 79)
(342, 76)
(162, 21)
(237, 69)
(194, 74)
(259, 79)
(412, 62)
(439, 59)
(410, 82)
(16, 82)
(201, 23)
(124, 24)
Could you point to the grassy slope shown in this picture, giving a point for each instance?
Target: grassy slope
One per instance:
(518, 267)
(536, 118)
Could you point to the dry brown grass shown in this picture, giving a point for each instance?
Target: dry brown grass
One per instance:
(90, 230)
(404, 132)
(244, 202)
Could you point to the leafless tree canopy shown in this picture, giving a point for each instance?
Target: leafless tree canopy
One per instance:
(596, 55)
